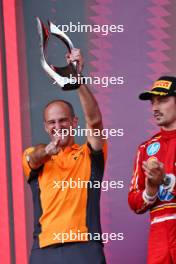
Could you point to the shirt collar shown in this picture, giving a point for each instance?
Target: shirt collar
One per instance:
(168, 134)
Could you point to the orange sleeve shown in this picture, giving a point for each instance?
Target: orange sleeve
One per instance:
(25, 162)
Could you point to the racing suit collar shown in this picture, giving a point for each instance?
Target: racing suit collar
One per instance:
(168, 134)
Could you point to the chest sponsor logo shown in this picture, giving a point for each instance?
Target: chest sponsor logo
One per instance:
(153, 148)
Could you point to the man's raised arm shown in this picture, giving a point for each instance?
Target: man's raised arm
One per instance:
(89, 104)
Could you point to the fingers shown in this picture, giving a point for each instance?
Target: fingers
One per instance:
(145, 166)
(74, 55)
(53, 147)
(57, 141)
(152, 163)
(67, 56)
(154, 171)
(148, 174)
(153, 166)
(146, 169)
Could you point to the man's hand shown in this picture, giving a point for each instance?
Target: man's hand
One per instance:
(154, 171)
(53, 147)
(75, 55)
(42, 153)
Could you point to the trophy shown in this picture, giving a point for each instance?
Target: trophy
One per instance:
(61, 75)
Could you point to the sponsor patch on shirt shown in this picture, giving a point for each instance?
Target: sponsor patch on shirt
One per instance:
(164, 195)
(153, 148)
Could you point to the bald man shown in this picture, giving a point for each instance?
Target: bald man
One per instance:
(67, 216)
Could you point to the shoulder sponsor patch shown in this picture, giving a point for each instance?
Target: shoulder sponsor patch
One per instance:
(153, 148)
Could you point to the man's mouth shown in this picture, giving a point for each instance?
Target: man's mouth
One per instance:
(158, 115)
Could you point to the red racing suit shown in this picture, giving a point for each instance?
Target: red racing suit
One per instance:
(162, 238)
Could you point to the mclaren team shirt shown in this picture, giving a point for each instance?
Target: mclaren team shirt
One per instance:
(63, 202)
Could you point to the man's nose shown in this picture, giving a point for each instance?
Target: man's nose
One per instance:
(57, 125)
(155, 106)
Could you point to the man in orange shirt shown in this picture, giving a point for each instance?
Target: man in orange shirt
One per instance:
(67, 215)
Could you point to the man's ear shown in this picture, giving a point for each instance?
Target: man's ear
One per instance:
(75, 122)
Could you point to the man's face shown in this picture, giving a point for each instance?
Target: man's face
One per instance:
(58, 117)
(164, 111)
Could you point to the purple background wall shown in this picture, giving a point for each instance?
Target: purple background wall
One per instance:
(143, 52)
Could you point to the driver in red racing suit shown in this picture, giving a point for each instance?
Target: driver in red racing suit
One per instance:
(153, 185)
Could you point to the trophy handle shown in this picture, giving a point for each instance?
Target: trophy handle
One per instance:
(61, 35)
(58, 74)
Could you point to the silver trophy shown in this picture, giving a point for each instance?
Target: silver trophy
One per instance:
(61, 75)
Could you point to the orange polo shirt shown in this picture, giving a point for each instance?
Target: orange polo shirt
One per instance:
(62, 202)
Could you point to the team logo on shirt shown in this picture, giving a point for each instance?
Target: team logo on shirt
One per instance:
(78, 155)
(153, 148)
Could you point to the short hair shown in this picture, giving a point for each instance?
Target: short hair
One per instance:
(72, 112)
